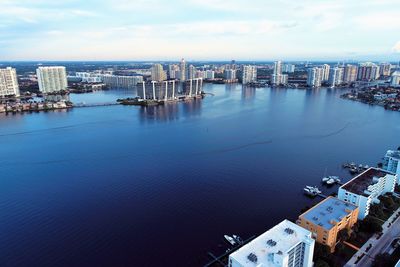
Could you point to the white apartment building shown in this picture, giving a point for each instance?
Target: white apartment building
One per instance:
(395, 79)
(8, 82)
(365, 188)
(326, 69)
(335, 77)
(52, 79)
(315, 77)
(391, 162)
(284, 245)
(157, 73)
(210, 74)
(249, 74)
(120, 81)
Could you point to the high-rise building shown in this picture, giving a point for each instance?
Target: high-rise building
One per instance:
(278, 67)
(157, 73)
(365, 188)
(315, 76)
(326, 219)
(326, 69)
(284, 245)
(173, 71)
(249, 74)
(117, 81)
(335, 76)
(288, 68)
(277, 77)
(192, 72)
(391, 162)
(350, 74)
(52, 79)
(384, 69)
(8, 82)
(230, 74)
(183, 70)
(158, 90)
(395, 79)
(210, 74)
(193, 87)
(368, 71)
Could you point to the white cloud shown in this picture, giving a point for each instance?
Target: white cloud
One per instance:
(396, 47)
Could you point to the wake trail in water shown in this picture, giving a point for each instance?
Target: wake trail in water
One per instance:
(235, 148)
(315, 136)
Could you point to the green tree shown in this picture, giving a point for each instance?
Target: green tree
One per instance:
(321, 263)
(371, 225)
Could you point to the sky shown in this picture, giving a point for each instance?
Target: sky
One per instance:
(199, 30)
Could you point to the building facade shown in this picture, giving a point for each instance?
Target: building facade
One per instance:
(350, 73)
(155, 90)
(326, 219)
(120, 81)
(193, 87)
(284, 245)
(183, 70)
(395, 79)
(326, 69)
(391, 163)
(335, 77)
(157, 73)
(368, 72)
(384, 69)
(365, 188)
(52, 79)
(314, 77)
(249, 74)
(9, 82)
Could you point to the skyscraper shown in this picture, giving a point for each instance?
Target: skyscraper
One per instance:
(350, 73)
(192, 72)
(384, 69)
(315, 76)
(230, 74)
(183, 70)
(277, 77)
(8, 82)
(335, 77)
(52, 79)
(326, 69)
(157, 73)
(249, 74)
(173, 71)
(368, 71)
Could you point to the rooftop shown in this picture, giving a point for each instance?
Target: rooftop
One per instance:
(360, 183)
(277, 240)
(393, 153)
(328, 212)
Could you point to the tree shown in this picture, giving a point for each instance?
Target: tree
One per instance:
(344, 234)
(321, 263)
(383, 260)
(371, 225)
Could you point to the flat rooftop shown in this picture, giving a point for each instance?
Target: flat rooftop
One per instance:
(327, 210)
(393, 154)
(360, 183)
(279, 239)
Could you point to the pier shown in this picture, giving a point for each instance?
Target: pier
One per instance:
(89, 105)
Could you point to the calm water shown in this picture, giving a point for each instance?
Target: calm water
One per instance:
(160, 186)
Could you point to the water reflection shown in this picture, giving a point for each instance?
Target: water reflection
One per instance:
(248, 93)
(167, 112)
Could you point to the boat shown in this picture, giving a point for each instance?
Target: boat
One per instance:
(325, 179)
(238, 239)
(366, 167)
(331, 179)
(230, 239)
(353, 170)
(311, 191)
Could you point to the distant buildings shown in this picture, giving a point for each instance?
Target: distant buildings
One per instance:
(87, 77)
(284, 245)
(350, 73)
(315, 77)
(230, 75)
(183, 70)
(326, 219)
(326, 71)
(249, 74)
(365, 188)
(277, 77)
(288, 68)
(391, 163)
(368, 71)
(120, 81)
(209, 74)
(8, 82)
(157, 73)
(395, 79)
(335, 77)
(52, 79)
(192, 72)
(173, 71)
(384, 69)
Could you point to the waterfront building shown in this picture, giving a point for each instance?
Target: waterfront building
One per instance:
(335, 77)
(288, 68)
(157, 73)
(52, 79)
(350, 73)
(384, 69)
(314, 77)
(183, 70)
(395, 79)
(391, 163)
(158, 90)
(284, 245)
(249, 74)
(193, 87)
(326, 71)
(86, 77)
(192, 72)
(368, 71)
(9, 82)
(120, 81)
(230, 74)
(210, 74)
(326, 219)
(278, 67)
(365, 188)
(277, 77)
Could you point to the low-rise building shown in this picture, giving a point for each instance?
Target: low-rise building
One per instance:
(286, 244)
(365, 188)
(391, 162)
(326, 219)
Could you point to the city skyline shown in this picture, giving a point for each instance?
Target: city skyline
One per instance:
(199, 30)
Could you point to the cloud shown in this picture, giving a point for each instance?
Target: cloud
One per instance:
(396, 47)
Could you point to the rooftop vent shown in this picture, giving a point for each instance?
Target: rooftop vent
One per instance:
(252, 257)
(329, 208)
(337, 203)
(271, 243)
(315, 218)
(289, 231)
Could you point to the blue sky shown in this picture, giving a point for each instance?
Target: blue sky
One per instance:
(199, 29)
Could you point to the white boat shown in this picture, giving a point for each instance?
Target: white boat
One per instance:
(311, 190)
(237, 239)
(230, 239)
(325, 179)
(330, 181)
